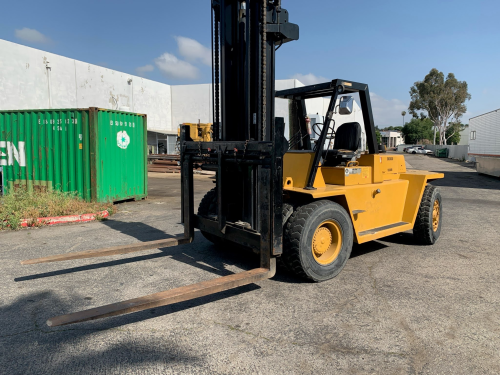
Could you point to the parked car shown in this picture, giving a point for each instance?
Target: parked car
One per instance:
(410, 149)
(421, 150)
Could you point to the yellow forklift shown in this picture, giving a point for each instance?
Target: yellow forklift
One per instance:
(307, 205)
(197, 131)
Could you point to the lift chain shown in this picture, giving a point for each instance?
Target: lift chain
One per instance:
(245, 148)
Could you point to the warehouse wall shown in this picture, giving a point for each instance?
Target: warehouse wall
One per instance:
(25, 79)
(24, 84)
(484, 137)
(191, 103)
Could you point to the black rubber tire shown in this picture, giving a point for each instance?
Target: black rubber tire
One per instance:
(208, 207)
(298, 234)
(414, 152)
(423, 230)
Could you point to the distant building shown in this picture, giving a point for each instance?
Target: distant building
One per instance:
(391, 138)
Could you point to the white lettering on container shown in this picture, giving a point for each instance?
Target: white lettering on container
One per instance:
(12, 153)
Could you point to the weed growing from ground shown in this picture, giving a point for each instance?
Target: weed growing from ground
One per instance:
(24, 204)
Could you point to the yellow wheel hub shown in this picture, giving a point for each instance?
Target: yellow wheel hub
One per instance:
(327, 242)
(436, 211)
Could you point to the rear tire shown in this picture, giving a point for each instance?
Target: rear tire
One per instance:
(427, 228)
(305, 253)
(208, 208)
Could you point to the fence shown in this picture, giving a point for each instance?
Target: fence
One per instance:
(459, 152)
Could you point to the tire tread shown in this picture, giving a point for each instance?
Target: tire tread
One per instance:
(422, 228)
(293, 232)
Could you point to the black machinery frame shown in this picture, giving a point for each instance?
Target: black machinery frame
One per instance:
(334, 89)
(248, 141)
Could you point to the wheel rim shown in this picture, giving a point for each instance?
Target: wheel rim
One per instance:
(327, 242)
(436, 213)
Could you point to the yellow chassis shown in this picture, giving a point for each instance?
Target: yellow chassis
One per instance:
(380, 194)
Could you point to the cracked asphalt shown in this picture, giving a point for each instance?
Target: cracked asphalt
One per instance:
(396, 308)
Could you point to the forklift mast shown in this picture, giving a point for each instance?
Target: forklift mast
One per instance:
(248, 142)
(245, 36)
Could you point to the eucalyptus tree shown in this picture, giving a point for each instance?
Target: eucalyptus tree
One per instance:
(442, 99)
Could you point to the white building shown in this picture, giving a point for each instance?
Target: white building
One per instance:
(484, 142)
(392, 138)
(35, 79)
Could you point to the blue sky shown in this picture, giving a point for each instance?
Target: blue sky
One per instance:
(387, 44)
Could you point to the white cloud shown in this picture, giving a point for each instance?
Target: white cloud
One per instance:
(387, 112)
(309, 79)
(31, 35)
(194, 51)
(142, 70)
(172, 67)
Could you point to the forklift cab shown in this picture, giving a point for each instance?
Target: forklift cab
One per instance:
(346, 139)
(346, 143)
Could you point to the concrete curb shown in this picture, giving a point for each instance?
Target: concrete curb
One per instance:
(64, 219)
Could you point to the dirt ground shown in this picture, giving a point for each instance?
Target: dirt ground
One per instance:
(396, 308)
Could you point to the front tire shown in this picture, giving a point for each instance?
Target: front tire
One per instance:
(427, 228)
(318, 240)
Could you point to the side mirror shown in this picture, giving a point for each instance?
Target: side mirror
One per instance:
(346, 105)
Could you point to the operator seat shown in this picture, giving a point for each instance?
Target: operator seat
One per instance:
(346, 143)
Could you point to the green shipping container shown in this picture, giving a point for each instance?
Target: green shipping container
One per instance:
(98, 153)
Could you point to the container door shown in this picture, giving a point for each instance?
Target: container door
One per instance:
(121, 152)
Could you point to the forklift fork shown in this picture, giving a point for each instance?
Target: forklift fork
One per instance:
(164, 298)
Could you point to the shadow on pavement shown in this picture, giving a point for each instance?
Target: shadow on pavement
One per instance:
(200, 254)
(28, 346)
(366, 248)
(138, 230)
(405, 238)
(88, 267)
(470, 165)
(470, 180)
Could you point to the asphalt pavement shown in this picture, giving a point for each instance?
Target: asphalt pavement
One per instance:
(396, 308)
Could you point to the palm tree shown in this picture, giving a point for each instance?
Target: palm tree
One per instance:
(403, 114)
